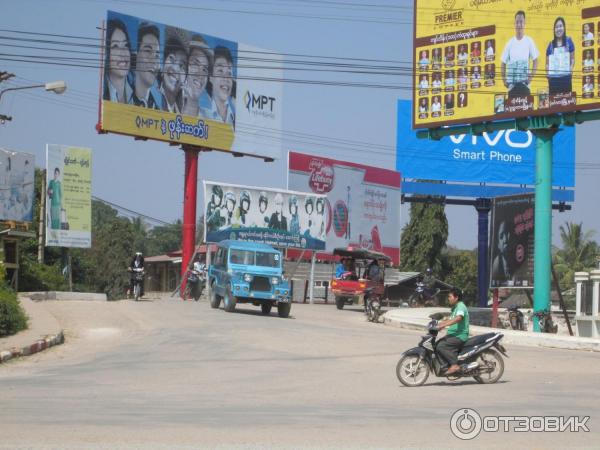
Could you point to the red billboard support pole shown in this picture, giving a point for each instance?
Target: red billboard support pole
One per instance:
(188, 238)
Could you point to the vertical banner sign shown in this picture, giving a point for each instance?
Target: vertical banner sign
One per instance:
(68, 196)
(16, 186)
(363, 202)
(284, 219)
(511, 251)
(482, 60)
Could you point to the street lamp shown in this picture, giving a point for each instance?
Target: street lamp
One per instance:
(58, 87)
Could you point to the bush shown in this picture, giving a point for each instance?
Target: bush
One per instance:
(12, 317)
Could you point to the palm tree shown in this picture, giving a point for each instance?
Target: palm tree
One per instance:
(579, 252)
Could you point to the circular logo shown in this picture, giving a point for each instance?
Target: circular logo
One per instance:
(465, 424)
(448, 4)
(520, 253)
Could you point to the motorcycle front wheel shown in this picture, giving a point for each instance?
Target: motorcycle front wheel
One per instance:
(491, 366)
(412, 370)
(136, 291)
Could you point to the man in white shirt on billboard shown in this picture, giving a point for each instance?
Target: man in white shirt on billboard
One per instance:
(515, 60)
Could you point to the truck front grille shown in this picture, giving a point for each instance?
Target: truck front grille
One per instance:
(260, 284)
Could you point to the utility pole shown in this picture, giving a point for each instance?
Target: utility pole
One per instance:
(41, 227)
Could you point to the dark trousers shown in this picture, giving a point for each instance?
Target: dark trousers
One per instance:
(448, 348)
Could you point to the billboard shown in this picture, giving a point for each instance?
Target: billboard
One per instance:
(511, 245)
(185, 87)
(506, 156)
(491, 60)
(68, 196)
(363, 202)
(284, 219)
(16, 186)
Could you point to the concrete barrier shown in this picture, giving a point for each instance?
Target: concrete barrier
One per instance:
(64, 296)
(418, 318)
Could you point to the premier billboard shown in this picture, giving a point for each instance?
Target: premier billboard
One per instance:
(512, 241)
(185, 87)
(284, 219)
(492, 60)
(362, 205)
(16, 186)
(68, 196)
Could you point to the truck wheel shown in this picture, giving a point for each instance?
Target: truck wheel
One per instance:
(215, 300)
(266, 308)
(283, 309)
(229, 301)
(340, 302)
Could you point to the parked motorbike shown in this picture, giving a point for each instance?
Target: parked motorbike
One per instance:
(480, 358)
(372, 306)
(516, 318)
(138, 281)
(545, 321)
(423, 296)
(195, 284)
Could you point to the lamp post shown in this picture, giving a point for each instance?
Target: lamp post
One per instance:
(58, 87)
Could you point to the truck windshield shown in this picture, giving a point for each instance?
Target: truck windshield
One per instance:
(250, 258)
(267, 259)
(241, 257)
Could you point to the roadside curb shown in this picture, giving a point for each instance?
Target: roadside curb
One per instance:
(523, 338)
(37, 346)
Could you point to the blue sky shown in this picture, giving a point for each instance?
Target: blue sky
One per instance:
(148, 176)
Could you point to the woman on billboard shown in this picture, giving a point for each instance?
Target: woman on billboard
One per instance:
(55, 195)
(118, 63)
(560, 59)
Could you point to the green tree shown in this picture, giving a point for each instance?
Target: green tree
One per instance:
(164, 239)
(424, 237)
(460, 270)
(578, 253)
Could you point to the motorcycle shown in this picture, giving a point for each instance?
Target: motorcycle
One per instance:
(545, 321)
(423, 296)
(372, 306)
(138, 281)
(480, 358)
(196, 282)
(516, 318)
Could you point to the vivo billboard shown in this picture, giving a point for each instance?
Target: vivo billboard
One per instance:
(506, 156)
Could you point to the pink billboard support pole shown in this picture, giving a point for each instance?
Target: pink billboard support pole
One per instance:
(188, 238)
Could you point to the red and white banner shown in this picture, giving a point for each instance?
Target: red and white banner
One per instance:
(363, 202)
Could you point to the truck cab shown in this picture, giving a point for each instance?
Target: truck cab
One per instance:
(248, 272)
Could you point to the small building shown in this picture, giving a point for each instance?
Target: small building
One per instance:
(163, 272)
(10, 238)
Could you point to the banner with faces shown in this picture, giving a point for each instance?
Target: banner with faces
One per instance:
(281, 218)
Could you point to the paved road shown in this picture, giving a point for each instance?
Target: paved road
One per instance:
(169, 374)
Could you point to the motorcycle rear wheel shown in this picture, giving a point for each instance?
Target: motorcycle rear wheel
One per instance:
(490, 359)
(410, 372)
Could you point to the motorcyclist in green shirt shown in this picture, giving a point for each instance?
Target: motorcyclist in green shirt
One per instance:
(458, 331)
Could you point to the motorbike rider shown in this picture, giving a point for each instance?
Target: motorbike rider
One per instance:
(429, 282)
(458, 331)
(137, 262)
(373, 271)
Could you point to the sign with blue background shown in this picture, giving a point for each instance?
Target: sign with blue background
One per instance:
(503, 157)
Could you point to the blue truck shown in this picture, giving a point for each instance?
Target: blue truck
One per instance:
(247, 272)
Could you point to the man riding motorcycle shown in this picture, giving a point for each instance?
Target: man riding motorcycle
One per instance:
(137, 262)
(458, 331)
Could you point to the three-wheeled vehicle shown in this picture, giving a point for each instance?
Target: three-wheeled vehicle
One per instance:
(362, 280)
